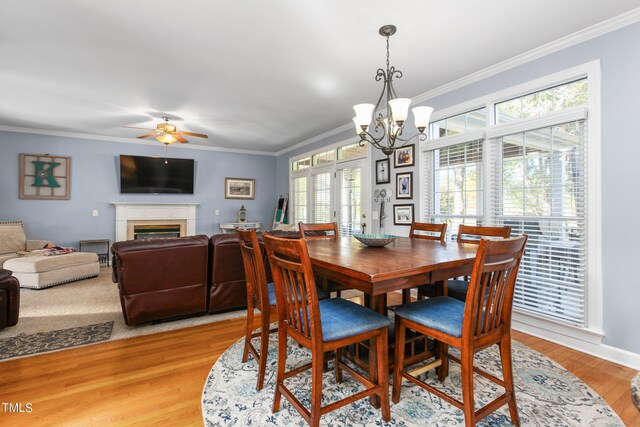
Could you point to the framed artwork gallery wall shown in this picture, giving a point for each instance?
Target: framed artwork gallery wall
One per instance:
(44, 177)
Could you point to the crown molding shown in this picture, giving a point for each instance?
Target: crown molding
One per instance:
(126, 140)
(578, 37)
(315, 139)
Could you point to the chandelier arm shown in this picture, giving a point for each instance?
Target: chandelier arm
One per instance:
(372, 139)
(383, 76)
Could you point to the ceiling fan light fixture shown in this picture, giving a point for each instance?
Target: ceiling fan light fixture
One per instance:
(166, 138)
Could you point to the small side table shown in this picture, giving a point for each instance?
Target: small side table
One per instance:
(229, 227)
(103, 257)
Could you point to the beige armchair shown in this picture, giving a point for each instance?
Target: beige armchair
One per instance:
(13, 240)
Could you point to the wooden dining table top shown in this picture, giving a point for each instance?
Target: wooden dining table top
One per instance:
(402, 264)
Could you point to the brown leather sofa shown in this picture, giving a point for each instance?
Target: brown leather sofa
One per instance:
(161, 278)
(153, 282)
(9, 299)
(227, 286)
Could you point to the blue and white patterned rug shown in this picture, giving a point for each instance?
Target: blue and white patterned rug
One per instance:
(546, 394)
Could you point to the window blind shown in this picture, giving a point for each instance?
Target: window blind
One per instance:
(539, 188)
(348, 203)
(321, 197)
(455, 185)
(300, 199)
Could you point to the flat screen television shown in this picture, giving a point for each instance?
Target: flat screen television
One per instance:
(139, 174)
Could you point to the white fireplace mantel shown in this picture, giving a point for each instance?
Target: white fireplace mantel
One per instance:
(131, 211)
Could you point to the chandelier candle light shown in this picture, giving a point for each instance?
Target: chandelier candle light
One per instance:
(387, 130)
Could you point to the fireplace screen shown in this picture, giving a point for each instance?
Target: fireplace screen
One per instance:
(156, 231)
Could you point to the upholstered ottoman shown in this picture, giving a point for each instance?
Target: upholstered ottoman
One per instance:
(37, 272)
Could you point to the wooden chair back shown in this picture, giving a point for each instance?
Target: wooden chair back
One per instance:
(296, 295)
(314, 231)
(490, 295)
(435, 231)
(473, 234)
(254, 270)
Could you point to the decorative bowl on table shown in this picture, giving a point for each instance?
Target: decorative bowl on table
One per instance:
(375, 240)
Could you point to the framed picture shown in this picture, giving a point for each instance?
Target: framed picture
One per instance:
(382, 171)
(404, 185)
(45, 177)
(405, 156)
(239, 188)
(402, 214)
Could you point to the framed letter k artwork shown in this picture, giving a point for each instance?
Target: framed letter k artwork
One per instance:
(45, 177)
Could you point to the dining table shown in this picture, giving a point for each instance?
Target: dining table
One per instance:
(403, 264)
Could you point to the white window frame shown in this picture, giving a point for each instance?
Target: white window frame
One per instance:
(333, 166)
(530, 323)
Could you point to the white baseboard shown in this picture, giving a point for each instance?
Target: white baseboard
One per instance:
(585, 341)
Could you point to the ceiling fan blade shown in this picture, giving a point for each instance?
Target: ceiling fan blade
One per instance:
(147, 135)
(198, 135)
(135, 127)
(179, 138)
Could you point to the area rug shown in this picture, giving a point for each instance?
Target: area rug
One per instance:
(41, 342)
(547, 395)
(53, 316)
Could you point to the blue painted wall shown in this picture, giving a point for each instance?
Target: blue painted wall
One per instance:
(95, 185)
(620, 65)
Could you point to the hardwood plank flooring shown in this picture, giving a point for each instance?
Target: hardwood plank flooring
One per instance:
(158, 379)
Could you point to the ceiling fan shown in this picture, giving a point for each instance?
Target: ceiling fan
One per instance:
(167, 133)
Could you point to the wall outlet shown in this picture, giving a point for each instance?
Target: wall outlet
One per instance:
(217, 211)
(94, 212)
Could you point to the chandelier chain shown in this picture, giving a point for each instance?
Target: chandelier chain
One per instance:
(387, 55)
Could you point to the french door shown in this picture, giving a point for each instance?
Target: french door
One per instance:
(351, 183)
(334, 193)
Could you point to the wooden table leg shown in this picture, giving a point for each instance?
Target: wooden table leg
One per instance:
(377, 303)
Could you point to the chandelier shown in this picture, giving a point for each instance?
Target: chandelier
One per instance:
(387, 131)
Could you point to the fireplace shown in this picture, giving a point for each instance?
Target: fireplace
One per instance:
(160, 220)
(156, 231)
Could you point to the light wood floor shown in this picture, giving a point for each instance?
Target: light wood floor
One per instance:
(158, 379)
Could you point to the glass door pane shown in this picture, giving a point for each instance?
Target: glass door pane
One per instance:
(350, 208)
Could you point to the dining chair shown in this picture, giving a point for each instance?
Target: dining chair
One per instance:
(322, 326)
(457, 288)
(432, 231)
(261, 296)
(480, 322)
(329, 230)
(427, 231)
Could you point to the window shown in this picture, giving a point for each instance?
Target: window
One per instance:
(321, 191)
(528, 170)
(352, 151)
(456, 185)
(323, 158)
(540, 190)
(557, 98)
(300, 199)
(300, 164)
(461, 123)
(326, 186)
(349, 199)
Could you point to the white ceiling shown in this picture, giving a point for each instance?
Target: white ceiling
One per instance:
(252, 74)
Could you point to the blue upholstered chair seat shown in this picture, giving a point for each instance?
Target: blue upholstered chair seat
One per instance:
(456, 288)
(341, 319)
(440, 313)
(272, 293)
